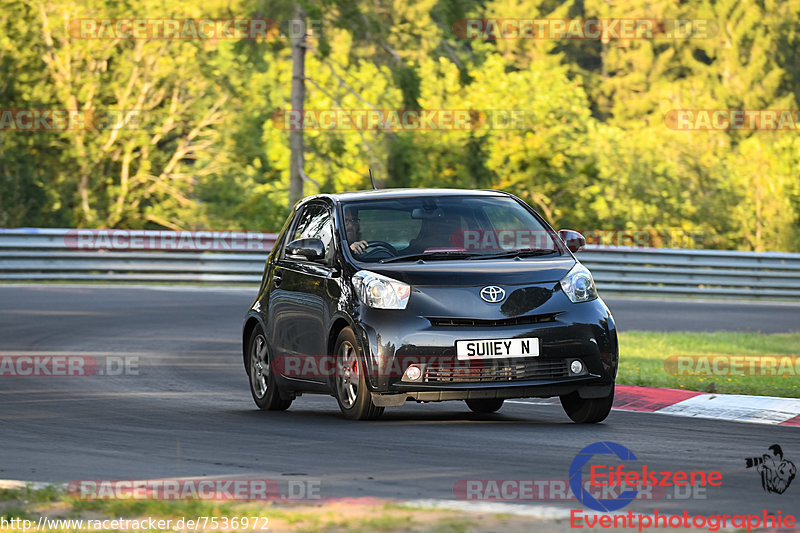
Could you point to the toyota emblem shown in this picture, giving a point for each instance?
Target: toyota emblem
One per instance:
(492, 294)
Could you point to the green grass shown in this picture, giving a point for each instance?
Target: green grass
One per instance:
(54, 502)
(643, 355)
(156, 508)
(383, 523)
(16, 512)
(453, 525)
(29, 494)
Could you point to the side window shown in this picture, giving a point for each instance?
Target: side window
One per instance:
(315, 223)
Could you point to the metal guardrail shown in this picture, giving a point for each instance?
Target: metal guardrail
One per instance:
(33, 254)
(713, 273)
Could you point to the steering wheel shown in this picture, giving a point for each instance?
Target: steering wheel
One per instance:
(382, 244)
(377, 250)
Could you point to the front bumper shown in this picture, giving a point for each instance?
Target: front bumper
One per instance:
(586, 386)
(567, 332)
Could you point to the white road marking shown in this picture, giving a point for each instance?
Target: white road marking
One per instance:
(736, 407)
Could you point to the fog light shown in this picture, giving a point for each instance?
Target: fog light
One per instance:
(413, 373)
(576, 367)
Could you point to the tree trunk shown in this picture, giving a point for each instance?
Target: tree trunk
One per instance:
(298, 98)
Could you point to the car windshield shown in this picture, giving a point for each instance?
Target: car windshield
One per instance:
(441, 228)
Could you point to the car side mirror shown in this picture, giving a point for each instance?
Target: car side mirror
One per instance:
(308, 249)
(574, 240)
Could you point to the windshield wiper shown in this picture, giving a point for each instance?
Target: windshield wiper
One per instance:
(452, 254)
(527, 252)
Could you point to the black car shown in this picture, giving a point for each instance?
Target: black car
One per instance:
(379, 297)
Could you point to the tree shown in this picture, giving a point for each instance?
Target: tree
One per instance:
(298, 105)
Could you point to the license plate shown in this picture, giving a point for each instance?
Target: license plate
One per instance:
(497, 348)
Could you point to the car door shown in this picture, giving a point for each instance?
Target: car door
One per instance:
(299, 310)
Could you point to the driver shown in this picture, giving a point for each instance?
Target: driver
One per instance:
(353, 230)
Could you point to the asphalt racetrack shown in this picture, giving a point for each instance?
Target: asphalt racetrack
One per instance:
(183, 409)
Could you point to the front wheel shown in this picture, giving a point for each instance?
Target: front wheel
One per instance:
(587, 410)
(262, 380)
(354, 398)
(485, 405)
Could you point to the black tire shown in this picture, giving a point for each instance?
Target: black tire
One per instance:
(587, 411)
(487, 405)
(355, 400)
(262, 381)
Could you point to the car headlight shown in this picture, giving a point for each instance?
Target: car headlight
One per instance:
(579, 285)
(379, 291)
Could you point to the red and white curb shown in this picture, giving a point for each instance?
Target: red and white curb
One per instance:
(733, 407)
(679, 402)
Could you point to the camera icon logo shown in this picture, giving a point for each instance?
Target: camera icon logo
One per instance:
(776, 472)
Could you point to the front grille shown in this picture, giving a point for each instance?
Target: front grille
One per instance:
(489, 370)
(481, 322)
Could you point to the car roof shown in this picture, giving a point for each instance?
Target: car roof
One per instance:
(383, 194)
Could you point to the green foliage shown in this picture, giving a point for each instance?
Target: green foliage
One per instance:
(589, 147)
